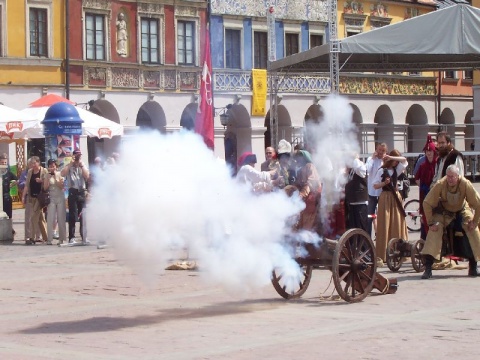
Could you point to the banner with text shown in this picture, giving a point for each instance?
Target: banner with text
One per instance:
(259, 91)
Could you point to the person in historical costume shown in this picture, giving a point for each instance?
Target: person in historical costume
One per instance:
(309, 186)
(356, 196)
(424, 177)
(447, 155)
(271, 161)
(261, 181)
(391, 215)
(451, 196)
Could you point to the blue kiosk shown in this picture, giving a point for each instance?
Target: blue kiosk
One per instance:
(61, 127)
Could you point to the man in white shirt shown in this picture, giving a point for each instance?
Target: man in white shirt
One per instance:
(374, 163)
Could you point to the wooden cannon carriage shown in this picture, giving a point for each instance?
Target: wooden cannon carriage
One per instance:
(351, 259)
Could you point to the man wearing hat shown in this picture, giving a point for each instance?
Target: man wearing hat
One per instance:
(77, 176)
(286, 170)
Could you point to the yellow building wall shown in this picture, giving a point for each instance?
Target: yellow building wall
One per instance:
(24, 70)
(395, 11)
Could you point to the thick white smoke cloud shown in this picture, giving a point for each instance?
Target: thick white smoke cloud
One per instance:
(169, 192)
(335, 144)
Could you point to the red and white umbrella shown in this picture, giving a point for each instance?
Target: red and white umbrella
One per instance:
(93, 125)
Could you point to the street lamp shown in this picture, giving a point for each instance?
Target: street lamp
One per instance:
(225, 118)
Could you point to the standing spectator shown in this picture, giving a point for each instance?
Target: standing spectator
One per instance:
(391, 215)
(27, 204)
(356, 196)
(424, 178)
(53, 183)
(8, 179)
(447, 155)
(77, 176)
(374, 163)
(33, 186)
(271, 162)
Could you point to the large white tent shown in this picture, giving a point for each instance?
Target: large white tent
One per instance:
(93, 124)
(444, 39)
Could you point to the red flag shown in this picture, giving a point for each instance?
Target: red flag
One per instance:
(204, 116)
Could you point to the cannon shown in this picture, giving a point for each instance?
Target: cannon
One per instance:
(398, 250)
(351, 259)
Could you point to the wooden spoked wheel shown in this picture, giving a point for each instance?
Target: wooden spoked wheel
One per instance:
(354, 265)
(418, 261)
(394, 258)
(292, 286)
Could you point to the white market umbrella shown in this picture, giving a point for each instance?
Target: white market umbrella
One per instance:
(93, 125)
(14, 123)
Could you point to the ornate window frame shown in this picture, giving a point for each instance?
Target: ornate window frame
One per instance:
(354, 23)
(316, 28)
(184, 13)
(151, 11)
(102, 8)
(233, 24)
(48, 6)
(292, 29)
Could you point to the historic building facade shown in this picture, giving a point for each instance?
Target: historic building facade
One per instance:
(136, 62)
(397, 108)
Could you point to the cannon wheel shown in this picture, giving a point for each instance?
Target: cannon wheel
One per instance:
(279, 283)
(418, 261)
(354, 265)
(394, 260)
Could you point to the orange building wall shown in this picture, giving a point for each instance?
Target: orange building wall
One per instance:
(459, 86)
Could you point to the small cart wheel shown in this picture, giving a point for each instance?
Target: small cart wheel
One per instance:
(394, 258)
(292, 287)
(354, 265)
(418, 261)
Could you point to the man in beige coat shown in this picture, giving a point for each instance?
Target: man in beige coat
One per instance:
(451, 195)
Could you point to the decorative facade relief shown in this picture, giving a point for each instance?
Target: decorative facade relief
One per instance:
(96, 76)
(169, 80)
(150, 8)
(379, 10)
(125, 78)
(379, 86)
(188, 80)
(151, 79)
(97, 4)
(352, 7)
(185, 11)
(284, 9)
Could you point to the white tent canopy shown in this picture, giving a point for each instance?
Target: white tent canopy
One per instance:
(93, 124)
(13, 123)
(444, 39)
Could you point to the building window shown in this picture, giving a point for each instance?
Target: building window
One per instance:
(468, 74)
(38, 32)
(150, 41)
(260, 50)
(291, 44)
(232, 49)
(95, 36)
(186, 42)
(450, 74)
(315, 40)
